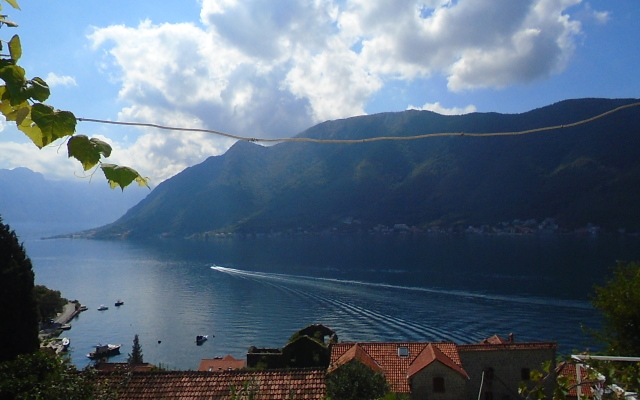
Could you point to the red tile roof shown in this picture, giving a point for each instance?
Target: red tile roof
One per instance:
(219, 364)
(495, 339)
(356, 352)
(507, 346)
(123, 367)
(569, 370)
(431, 354)
(197, 385)
(395, 366)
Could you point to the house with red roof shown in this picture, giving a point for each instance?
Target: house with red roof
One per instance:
(200, 385)
(219, 364)
(491, 369)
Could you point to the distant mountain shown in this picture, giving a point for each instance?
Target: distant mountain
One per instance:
(577, 175)
(34, 206)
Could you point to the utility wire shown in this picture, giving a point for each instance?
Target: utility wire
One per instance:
(372, 139)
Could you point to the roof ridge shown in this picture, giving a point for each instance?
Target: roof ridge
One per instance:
(225, 372)
(430, 354)
(358, 353)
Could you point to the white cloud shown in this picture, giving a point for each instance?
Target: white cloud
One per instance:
(272, 69)
(57, 80)
(438, 108)
(51, 161)
(600, 17)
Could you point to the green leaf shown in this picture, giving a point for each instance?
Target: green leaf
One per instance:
(15, 48)
(29, 128)
(38, 89)
(87, 151)
(22, 113)
(53, 124)
(8, 23)
(122, 176)
(6, 108)
(14, 77)
(13, 4)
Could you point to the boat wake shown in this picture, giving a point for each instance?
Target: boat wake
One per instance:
(376, 311)
(442, 292)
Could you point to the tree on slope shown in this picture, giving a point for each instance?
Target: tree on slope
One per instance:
(42, 375)
(50, 302)
(135, 357)
(619, 302)
(18, 310)
(356, 381)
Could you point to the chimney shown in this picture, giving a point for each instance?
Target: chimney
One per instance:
(511, 338)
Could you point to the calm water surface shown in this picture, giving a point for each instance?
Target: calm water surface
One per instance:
(259, 291)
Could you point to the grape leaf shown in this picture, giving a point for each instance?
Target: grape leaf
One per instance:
(13, 3)
(14, 77)
(15, 48)
(5, 21)
(29, 128)
(122, 176)
(6, 108)
(22, 113)
(53, 124)
(38, 89)
(87, 151)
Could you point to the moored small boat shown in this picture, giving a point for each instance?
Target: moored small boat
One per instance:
(59, 345)
(105, 350)
(102, 307)
(201, 339)
(119, 303)
(65, 327)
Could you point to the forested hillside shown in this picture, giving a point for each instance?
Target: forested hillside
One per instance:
(578, 175)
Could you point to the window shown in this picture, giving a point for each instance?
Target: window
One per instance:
(438, 384)
(403, 351)
(525, 374)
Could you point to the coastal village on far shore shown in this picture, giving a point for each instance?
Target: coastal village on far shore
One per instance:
(516, 227)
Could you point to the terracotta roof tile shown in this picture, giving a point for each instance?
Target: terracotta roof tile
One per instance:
(569, 370)
(507, 346)
(197, 385)
(495, 339)
(219, 364)
(123, 367)
(430, 354)
(356, 352)
(395, 366)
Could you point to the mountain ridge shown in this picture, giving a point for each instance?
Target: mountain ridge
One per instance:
(576, 175)
(34, 205)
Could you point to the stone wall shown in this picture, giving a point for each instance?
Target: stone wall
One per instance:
(422, 385)
(503, 370)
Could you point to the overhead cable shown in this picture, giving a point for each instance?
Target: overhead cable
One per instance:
(365, 140)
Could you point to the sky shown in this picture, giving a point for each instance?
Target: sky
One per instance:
(271, 69)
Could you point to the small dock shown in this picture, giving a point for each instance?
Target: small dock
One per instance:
(68, 313)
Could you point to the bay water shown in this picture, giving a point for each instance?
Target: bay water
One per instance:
(246, 292)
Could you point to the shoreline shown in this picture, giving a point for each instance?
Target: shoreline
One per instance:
(69, 312)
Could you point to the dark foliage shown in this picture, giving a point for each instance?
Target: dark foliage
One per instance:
(577, 175)
(619, 301)
(50, 302)
(18, 311)
(356, 381)
(135, 357)
(45, 376)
